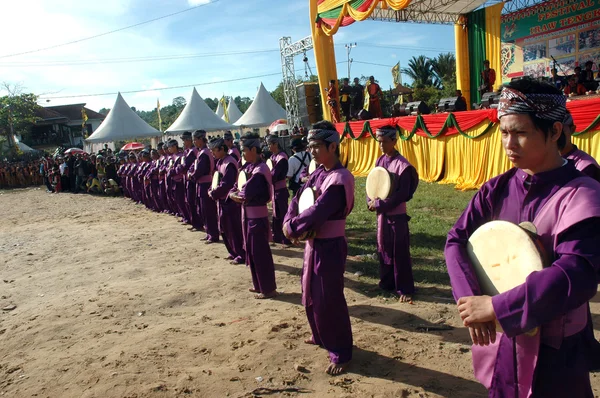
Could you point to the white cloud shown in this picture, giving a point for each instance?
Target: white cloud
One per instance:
(151, 90)
(198, 2)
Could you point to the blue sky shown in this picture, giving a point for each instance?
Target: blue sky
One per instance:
(226, 27)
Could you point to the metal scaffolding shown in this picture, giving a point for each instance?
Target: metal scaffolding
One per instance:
(288, 51)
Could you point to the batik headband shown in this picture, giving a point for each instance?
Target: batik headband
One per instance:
(389, 132)
(544, 106)
(324, 135)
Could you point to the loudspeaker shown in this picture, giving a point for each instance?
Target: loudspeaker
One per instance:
(490, 99)
(419, 107)
(451, 104)
(309, 104)
(307, 90)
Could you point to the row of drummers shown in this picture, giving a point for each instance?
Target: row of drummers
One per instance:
(195, 182)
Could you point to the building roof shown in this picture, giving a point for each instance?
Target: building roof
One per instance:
(73, 111)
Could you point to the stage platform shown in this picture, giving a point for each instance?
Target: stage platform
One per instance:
(461, 148)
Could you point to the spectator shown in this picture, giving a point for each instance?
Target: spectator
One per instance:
(574, 87)
(297, 164)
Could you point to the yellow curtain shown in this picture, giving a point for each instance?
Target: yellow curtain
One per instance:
(471, 162)
(461, 43)
(590, 143)
(425, 154)
(361, 155)
(324, 57)
(493, 39)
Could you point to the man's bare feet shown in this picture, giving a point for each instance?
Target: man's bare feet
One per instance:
(310, 341)
(335, 369)
(252, 290)
(264, 296)
(405, 298)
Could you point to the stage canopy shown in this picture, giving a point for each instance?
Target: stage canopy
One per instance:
(122, 123)
(263, 111)
(197, 116)
(232, 111)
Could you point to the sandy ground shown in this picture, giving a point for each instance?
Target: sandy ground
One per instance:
(113, 300)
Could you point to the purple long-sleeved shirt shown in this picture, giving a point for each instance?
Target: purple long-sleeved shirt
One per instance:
(331, 205)
(279, 172)
(201, 166)
(227, 181)
(573, 277)
(404, 187)
(256, 192)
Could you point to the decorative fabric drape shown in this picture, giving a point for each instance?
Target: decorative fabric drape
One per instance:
(331, 14)
(493, 40)
(462, 149)
(477, 50)
(461, 44)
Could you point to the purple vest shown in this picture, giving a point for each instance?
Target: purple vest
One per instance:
(206, 178)
(276, 159)
(396, 166)
(576, 201)
(222, 169)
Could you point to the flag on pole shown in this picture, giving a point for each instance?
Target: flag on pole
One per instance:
(396, 75)
(84, 119)
(158, 113)
(223, 102)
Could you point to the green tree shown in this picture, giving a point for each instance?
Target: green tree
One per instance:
(243, 103)
(104, 111)
(420, 70)
(212, 103)
(179, 102)
(17, 113)
(444, 67)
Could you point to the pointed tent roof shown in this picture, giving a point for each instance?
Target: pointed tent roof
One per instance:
(122, 123)
(233, 111)
(263, 111)
(197, 115)
(220, 111)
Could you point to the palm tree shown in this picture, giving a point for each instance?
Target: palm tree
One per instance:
(420, 70)
(444, 66)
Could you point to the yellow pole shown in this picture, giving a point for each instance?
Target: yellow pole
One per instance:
(324, 58)
(461, 40)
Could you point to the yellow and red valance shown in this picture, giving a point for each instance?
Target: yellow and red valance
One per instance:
(331, 14)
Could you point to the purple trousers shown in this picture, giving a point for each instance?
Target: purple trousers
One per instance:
(395, 264)
(191, 197)
(155, 195)
(328, 315)
(280, 208)
(230, 222)
(208, 211)
(258, 254)
(179, 197)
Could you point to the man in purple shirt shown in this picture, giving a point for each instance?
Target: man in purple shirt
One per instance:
(175, 175)
(564, 205)
(393, 244)
(231, 149)
(582, 161)
(253, 197)
(230, 219)
(190, 153)
(326, 248)
(203, 169)
(280, 191)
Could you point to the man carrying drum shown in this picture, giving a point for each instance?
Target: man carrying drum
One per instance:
(253, 195)
(230, 219)
(393, 244)
(543, 348)
(326, 249)
(279, 168)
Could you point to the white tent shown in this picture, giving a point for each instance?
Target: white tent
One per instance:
(232, 111)
(220, 111)
(197, 116)
(122, 123)
(23, 147)
(263, 111)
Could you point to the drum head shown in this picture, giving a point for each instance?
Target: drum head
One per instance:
(216, 180)
(243, 161)
(307, 199)
(242, 178)
(312, 167)
(503, 255)
(270, 164)
(379, 183)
